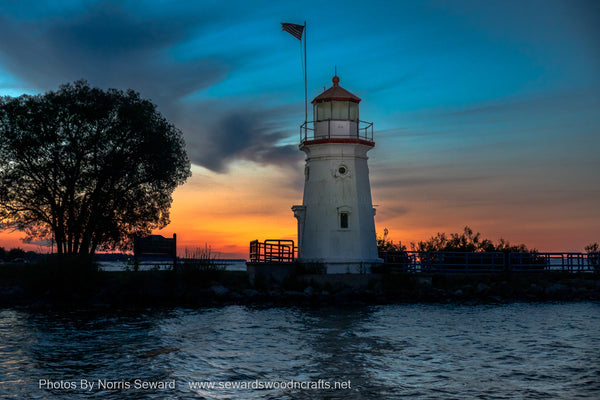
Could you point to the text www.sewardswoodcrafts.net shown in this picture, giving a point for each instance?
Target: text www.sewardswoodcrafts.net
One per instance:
(262, 385)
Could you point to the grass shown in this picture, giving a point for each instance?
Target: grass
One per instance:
(200, 259)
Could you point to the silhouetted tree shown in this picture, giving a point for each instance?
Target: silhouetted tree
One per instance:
(593, 251)
(88, 167)
(467, 242)
(15, 253)
(592, 248)
(385, 244)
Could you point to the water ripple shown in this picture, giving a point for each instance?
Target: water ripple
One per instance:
(525, 351)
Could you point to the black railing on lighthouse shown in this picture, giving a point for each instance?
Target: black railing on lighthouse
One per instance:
(364, 130)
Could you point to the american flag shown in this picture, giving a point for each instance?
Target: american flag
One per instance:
(295, 29)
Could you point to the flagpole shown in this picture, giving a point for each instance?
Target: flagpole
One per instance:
(297, 31)
(305, 90)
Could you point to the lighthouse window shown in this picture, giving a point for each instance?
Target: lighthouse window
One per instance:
(339, 109)
(341, 171)
(353, 110)
(344, 220)
(323, 111)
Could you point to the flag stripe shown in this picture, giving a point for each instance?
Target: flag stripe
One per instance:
(294, 29)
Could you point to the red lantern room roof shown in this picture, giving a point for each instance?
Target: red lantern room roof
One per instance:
(336, 92)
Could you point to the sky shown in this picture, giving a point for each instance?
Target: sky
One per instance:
(486, 113)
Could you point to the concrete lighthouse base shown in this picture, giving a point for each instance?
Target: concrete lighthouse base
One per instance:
(342, 266)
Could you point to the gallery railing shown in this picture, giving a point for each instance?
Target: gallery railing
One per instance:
(357, 130)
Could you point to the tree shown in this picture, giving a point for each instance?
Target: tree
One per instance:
(385, 244)
(15, 253)
(593, 252)
(592, 248)
(468, 242)
(86, 167)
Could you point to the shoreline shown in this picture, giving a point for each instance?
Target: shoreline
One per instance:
(38, 287)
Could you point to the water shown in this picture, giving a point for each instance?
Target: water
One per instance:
(514, 351)
(228, 265)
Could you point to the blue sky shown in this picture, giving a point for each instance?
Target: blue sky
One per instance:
(486, 113)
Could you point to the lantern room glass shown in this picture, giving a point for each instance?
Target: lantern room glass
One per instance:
(336, 110)
(339, 110)
(323, 111)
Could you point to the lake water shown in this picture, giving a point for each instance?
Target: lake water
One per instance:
(229, 265)
(513, 351)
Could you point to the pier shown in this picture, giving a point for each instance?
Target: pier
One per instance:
(274, 252)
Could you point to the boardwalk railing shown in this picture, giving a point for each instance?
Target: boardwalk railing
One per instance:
(566, 262)
(465, 262)
(273, 250)
(284, 251)
(462, 262)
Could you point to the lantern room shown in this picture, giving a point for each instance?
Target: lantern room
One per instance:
(336, 116)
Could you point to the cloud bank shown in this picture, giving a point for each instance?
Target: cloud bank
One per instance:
(110, 45)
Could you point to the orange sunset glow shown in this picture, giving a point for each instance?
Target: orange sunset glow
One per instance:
(250, 201)
(226, 214)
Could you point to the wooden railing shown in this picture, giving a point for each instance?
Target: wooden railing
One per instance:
(272, 250)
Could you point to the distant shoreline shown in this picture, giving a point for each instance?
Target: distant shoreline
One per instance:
(40, 288)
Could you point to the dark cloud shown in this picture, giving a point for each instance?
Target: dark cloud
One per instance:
(389, 211)
(240, 134)
(112, 46)
(39, 242)
(109, 30)
(108, 46)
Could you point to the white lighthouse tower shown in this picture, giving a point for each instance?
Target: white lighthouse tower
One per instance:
(336, 225)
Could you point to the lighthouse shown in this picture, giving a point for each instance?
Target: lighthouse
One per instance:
(336, 227)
